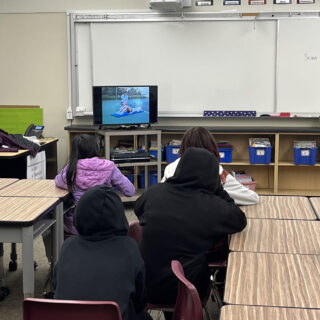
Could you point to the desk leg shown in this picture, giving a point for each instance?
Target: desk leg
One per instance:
(57, 236)
(27, 262)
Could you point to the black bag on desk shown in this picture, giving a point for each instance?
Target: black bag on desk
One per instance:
(18, 141)
(6, 148)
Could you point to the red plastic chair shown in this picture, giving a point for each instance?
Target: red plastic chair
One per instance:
(188, 304)
(39, 309)
(135, 231)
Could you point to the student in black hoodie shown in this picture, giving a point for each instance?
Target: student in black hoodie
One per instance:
(102, 263)
(182, 219)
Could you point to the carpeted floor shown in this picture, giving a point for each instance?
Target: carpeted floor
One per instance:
(11, 306)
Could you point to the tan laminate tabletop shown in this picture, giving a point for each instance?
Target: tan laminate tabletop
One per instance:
(23, 209)
(33, 188)
(236, 312)
(4, 182)
(315, 202)
(268, 279)
(13, 154)
(281, 207)
(278, 236)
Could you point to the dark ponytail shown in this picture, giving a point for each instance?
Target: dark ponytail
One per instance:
(83, 146)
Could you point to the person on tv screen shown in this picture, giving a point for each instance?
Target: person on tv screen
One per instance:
(125, 108)
(124, 97)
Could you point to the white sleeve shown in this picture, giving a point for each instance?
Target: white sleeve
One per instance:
(169, 170)
(239, 193)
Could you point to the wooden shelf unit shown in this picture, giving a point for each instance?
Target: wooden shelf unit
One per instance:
(136, 138)
(280, 177)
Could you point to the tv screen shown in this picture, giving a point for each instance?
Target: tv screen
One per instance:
(125, 105)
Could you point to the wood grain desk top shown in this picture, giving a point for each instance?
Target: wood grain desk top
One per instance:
(236, 312)
(315, 202)
(48, 140)
(280, 207)
(278, 236)
(24, 210)
(33, 188)
(19, 153)
(269, 279)
(4, 182)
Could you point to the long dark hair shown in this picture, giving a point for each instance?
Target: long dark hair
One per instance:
(83, 146)
(199, 137)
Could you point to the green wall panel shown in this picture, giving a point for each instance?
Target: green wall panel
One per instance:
(17, 120)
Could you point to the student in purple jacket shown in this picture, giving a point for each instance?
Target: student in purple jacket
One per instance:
(85, 170)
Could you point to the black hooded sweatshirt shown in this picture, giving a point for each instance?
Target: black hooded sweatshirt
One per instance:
(183, 219)
(102, 263)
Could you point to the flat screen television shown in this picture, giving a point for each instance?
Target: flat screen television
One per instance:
(125, 105)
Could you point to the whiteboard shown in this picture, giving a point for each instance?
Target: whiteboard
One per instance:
(299, 66)
(197, 65)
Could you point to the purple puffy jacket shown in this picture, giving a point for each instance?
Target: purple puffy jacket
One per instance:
(92, 172)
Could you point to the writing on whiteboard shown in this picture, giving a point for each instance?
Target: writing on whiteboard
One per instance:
(307, 57)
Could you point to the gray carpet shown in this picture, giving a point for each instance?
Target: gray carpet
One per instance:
(11, 306)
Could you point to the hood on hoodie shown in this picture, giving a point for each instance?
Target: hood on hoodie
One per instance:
(198, 168)
(93, 171)
(100, 214)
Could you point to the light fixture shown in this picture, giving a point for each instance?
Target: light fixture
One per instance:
(169, 5)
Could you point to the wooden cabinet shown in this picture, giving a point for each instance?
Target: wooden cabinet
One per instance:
(14, 164)
(296, 179)
(135, 138)
(281, 176)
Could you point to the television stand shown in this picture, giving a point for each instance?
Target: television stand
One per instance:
(139, 137)
(125, 127)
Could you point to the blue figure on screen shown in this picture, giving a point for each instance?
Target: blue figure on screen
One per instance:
(124, 97)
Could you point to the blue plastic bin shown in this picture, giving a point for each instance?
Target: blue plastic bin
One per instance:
(153, 178)
(225, 154)
(260, 155)
(172, 153)
(305, 155)
(154, 153)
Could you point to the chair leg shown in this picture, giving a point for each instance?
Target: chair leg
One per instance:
(215, 290)
(47, 291)
(206, 312)
(156, 314)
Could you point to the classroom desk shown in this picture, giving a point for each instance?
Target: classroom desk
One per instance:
(14, 164)
(269, 279)
(33, 188)
(236, 312)
(278, 236)
(22, 219)
(315, 202)
(281, 207)
(4, 182)
(36, 188)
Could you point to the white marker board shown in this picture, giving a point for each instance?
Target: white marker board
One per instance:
(204, 65)
(299, 66)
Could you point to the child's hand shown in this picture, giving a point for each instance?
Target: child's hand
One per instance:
(223, 176)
